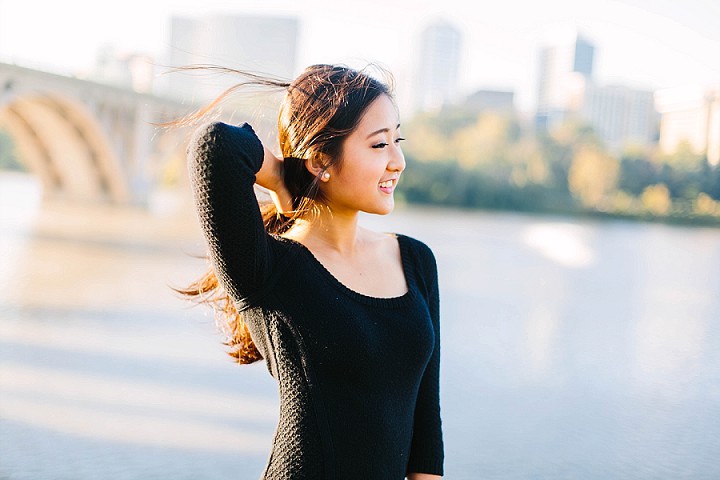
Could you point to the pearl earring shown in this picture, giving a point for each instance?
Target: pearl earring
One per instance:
(326, 176)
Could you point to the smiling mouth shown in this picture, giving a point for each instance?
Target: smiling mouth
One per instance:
(387, 184)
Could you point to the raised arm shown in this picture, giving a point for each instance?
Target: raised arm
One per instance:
(223, 160)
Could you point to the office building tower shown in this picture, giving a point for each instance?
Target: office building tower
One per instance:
(498, 101)
(621, 116)
(566, 67)
(438, 67)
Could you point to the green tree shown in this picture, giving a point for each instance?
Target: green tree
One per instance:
(485, 142)
(705, 205)
(593, 177)
(656, 199)
(636, 173)
(425, 143)
(684, 158)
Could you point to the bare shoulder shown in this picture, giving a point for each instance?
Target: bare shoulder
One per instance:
(383, 243)
(390, 242)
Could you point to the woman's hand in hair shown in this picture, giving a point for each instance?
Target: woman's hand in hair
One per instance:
(270, 177)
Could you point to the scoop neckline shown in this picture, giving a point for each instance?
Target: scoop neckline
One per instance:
(397, 301)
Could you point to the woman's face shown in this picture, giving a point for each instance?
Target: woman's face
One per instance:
(370, 165)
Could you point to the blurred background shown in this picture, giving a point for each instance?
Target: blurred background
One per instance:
(563, 163)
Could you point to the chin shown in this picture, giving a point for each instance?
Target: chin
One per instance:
(384, 210)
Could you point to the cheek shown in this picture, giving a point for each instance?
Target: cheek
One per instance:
(361, 170)
(365, 179)
(356, 172)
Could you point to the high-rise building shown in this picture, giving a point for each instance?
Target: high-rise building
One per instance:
(620, 115)
(261, 44)
(438, 67)
(499, 101)
(566, 66)
(692, 116)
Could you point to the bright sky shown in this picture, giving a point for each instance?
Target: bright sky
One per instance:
(642, 43)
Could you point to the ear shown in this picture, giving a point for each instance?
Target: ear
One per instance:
(316, 168)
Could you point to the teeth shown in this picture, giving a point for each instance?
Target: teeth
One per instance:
(386, 184)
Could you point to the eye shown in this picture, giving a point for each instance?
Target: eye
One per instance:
(383, 144)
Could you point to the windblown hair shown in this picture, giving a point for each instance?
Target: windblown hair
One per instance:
(321, 107)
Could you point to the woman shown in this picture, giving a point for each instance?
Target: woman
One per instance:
(346, 319)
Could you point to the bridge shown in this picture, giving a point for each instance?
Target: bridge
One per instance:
(87, 141)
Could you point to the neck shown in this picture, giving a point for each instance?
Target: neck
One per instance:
(337, 231)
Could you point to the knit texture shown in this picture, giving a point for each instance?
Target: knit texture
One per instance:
(358, 376)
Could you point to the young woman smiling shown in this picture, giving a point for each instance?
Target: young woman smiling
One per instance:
(345, 318)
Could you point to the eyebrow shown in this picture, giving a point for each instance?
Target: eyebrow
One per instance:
(382, 130)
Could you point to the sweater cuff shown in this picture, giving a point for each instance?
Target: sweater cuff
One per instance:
(431, 466)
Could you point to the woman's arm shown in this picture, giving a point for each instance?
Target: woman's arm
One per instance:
(422, 476)
(427, 450)
(223, 160)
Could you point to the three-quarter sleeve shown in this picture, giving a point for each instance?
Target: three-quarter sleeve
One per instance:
(222, 161)
(427, 450)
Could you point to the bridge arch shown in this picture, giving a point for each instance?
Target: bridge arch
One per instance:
(62, 143)
(88, 141)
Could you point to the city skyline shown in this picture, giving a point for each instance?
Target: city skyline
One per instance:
(639, 43)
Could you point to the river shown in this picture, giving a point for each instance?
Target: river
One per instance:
(571, 349)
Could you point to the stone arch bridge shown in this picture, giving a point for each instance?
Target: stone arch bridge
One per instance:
(88, 141)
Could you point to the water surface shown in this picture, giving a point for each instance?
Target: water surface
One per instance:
(571, 349)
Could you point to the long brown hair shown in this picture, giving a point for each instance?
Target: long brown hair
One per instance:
(321, 107)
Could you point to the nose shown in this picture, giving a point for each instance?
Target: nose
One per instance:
(396, 162)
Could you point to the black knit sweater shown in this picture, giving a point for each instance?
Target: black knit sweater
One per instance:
(357, 375)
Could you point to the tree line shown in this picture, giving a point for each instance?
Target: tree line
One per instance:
(490, 160)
